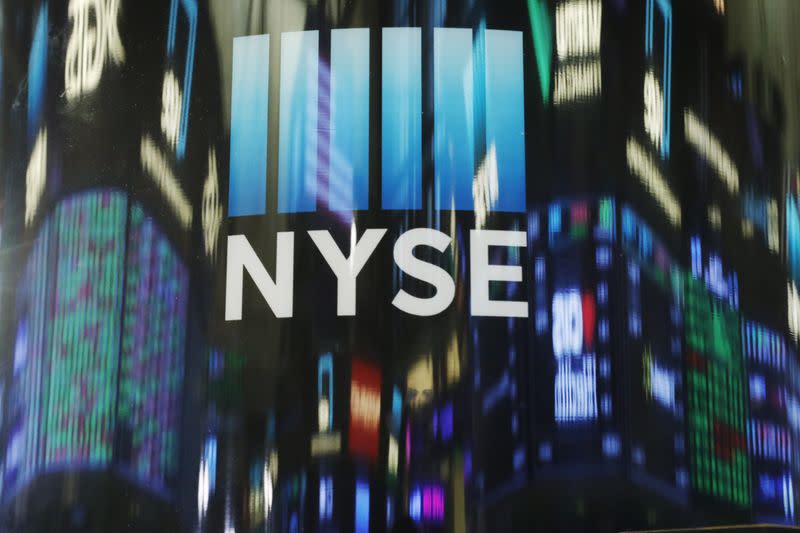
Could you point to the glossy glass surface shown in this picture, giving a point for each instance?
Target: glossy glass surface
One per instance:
(365, 266)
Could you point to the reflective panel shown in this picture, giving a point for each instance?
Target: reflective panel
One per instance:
(446, 267)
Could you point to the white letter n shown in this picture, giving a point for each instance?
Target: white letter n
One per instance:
(278, 293)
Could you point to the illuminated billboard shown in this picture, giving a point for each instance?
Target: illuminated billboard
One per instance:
(365, 409)
(153, 348)
(82, 355)
(716, 393)
(29, 376)
(574, 419)
(772, 428)
(100, 343)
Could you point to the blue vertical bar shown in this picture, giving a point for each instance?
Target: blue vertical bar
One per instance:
(247, 193)
(666, 8)
(648, 31)
(37, 73)
(401, 128)
(190, 6)
(297, 151)
(362, 507)
(453, 135)
(349, 151)
(505, 116)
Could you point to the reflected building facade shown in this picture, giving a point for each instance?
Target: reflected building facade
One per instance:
(572, 232)
(102, 405)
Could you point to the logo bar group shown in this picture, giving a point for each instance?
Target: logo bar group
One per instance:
(324, 121)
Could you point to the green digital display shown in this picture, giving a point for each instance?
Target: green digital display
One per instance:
(153, 349)
(79, 415)
(100, 345)
(716, 394)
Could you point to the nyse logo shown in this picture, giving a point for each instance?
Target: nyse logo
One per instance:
(94, 41)
(279, 292)
(324, 121)
(324, 155)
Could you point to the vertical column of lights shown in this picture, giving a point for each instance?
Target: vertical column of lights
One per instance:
(537, 227)
(631, 239)
(541, 319)
(716, 396)
(83, 352)
(593, 305)
(676, 350)
(793, 405)
(519, 454)
(153, 345)
(255, 494)
(793, 237)
(772, 395)
(650, 257)
(793, 418)
(31, 340)
(604, 234)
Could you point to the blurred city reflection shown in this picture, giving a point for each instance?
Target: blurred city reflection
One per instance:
(436, 266)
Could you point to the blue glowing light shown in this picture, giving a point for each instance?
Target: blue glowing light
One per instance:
(190, 7)
(325, 373)
(362, 507)
(665, 7)
(325, 498)
(349, 115)
(401, 126)
(249, 103)
(297, 147)
(37, 72)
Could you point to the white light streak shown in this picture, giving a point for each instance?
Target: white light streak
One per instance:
(715, 216)
(710, 149)
(653, 109)
(773, 226)
(211, 210)
(793, 308)
(323, 412)
(267, 481)
(747, 228)
(485, 187)
(645, 167)
(155, 163)
(393, 457)
(36, 177)
(171, 104)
